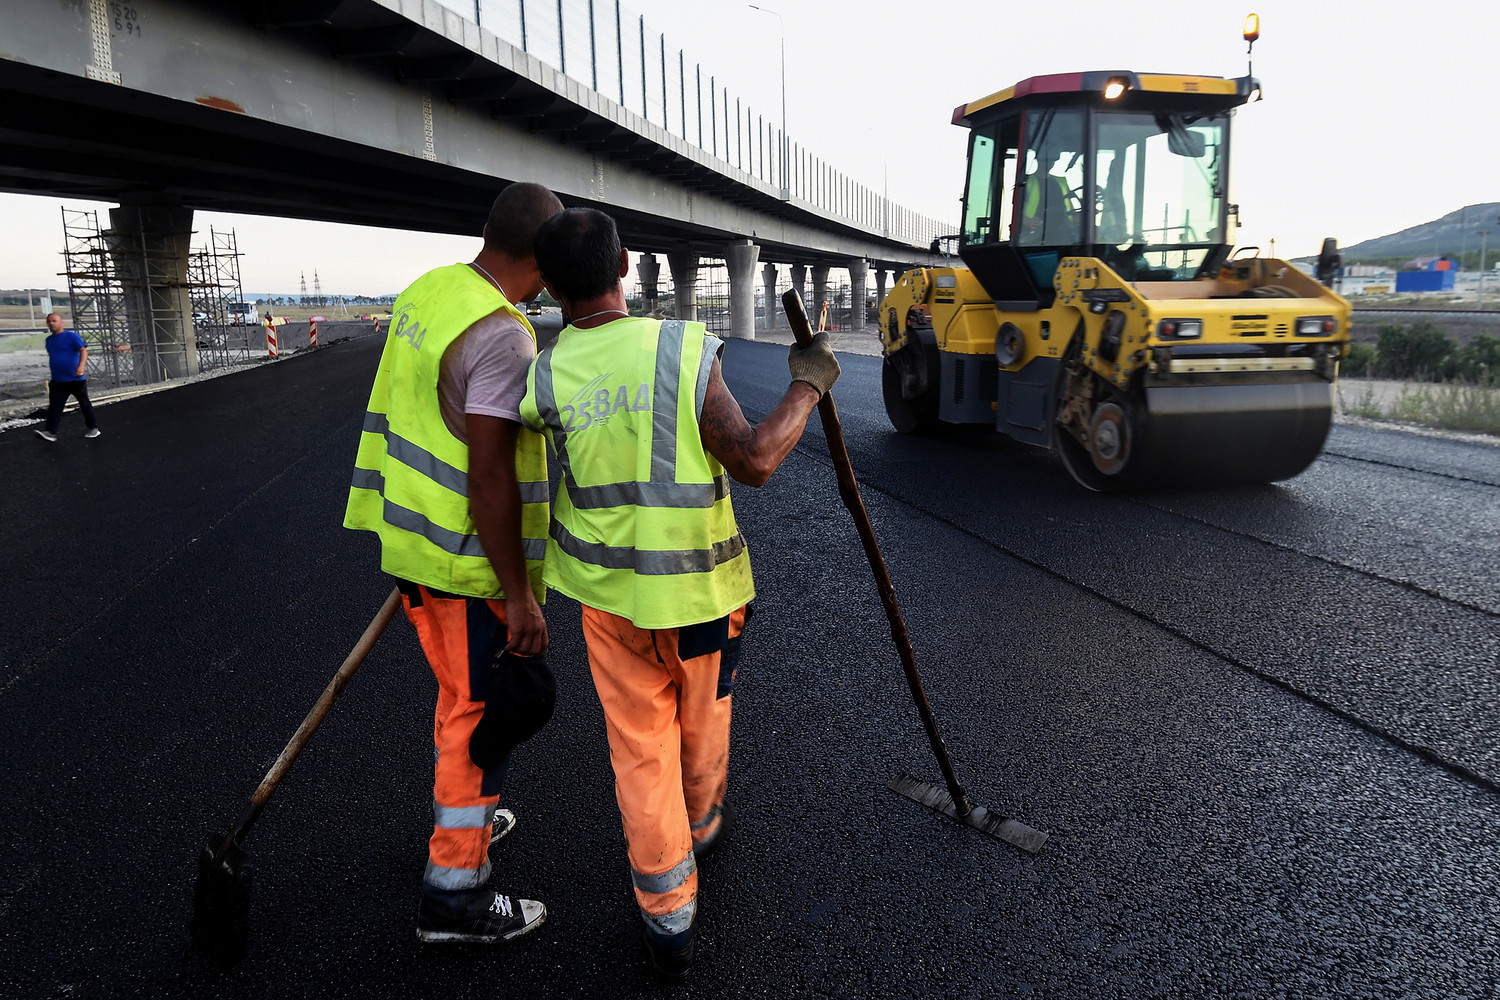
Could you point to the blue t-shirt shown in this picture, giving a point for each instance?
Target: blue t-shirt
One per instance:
(64, 350)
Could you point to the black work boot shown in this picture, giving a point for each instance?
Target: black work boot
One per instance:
(708, 845)
(671, 954)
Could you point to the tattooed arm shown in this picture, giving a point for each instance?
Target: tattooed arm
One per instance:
(751, 454)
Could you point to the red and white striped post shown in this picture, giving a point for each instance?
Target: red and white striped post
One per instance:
(271, 338)
(312, 332)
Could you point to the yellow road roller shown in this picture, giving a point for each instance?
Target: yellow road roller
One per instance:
(1102, 310)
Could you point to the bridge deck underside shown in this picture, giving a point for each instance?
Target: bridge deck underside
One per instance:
(63, 134)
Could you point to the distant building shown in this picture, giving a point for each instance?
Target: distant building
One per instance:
(1427, 274)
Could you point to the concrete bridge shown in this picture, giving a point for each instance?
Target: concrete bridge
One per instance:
(407, 114)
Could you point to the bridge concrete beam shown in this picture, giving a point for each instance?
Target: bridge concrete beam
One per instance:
(773, 306)
(648, 270)
(859, 281)
(149, 247)
(820, 291)
(740, 258)
(684, 265)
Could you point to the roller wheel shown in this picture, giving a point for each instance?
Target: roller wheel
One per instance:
(1100, 461)
(910, 399)
(1079, 461)
(1109, 439)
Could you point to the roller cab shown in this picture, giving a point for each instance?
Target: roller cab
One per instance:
(1100, 312)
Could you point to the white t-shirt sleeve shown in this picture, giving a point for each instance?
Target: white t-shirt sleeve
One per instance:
(484, 371)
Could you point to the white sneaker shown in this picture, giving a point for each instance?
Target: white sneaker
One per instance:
(490, 919)
(93, 432)
(503, 823)
(46, 435)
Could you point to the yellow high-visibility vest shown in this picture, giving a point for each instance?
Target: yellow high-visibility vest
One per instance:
(643, 526)
(411, 476)
(1033, 205)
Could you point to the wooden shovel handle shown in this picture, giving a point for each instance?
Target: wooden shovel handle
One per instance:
(833, 431)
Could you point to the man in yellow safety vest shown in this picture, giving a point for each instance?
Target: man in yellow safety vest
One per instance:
(644, 537)
(456, 490)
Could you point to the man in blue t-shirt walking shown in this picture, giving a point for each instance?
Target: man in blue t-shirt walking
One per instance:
(67, 353)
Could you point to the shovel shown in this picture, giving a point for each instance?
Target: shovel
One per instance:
(221, 897)
(951, 800)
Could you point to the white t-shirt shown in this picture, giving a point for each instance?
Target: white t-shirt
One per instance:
(484, 372)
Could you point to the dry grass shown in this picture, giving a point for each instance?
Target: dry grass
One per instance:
(22, 342)
(1456, 406)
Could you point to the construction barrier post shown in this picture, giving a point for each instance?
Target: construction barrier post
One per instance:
(312, 332)
(271, 338)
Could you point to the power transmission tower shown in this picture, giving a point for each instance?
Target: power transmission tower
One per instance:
(303, 275)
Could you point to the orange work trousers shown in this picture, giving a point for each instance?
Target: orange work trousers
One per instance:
(668, 723)
(460, 637)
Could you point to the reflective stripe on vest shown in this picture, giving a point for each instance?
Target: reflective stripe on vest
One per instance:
(411, 480)
(644, 527)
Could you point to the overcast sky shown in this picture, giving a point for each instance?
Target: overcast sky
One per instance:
(1377, 116)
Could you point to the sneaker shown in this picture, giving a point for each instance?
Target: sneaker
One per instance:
(709, 844)
(489, 920)
(46, 435)
(92, 432)
(671, 954)
(503, 823)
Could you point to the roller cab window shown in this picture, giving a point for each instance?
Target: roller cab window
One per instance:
(1050, 201)
(1158, 207)
(988, 195)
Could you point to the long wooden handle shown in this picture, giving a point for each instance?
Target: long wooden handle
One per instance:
(849, 492)
(315, 717)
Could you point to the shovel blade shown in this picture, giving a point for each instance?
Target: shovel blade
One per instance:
(221, 903)
(1011, 831)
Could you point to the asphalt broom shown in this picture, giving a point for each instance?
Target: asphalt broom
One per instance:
(950, 801)
(221, 897)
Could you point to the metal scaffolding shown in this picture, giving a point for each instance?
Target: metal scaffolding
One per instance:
(97, 300)
(713, 296)
(214, 283)
(134, 334)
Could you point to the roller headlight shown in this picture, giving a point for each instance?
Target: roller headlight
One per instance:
(1179, 329)
(1316, 326)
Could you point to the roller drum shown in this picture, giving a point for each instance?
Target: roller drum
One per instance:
(1231, 433)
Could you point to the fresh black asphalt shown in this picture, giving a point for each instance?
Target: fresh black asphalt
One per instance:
(1259, 724)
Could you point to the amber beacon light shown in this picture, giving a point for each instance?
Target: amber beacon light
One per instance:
(1252, 27)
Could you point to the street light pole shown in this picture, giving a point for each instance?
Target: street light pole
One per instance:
(1484, 246)
(786, 191)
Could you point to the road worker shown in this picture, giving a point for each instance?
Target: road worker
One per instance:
(644, 537)
(456, 490)
(1049, 209)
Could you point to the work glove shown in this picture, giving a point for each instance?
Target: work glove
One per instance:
(815, 364)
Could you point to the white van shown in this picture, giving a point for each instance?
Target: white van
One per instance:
(242, 313)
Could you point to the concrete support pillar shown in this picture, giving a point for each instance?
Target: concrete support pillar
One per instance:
(684, 264)
(149, 247)
(820, 292)
(859, 281)
(799, 282)
(882, 276)
(648, 270)
(773, 304)
(740, 257)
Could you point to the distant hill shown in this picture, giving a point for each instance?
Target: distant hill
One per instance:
(1454, 234)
